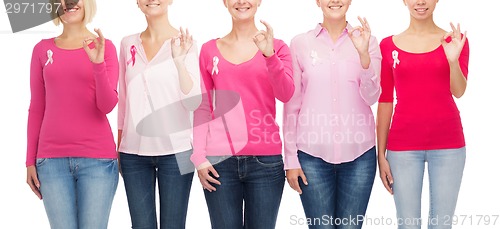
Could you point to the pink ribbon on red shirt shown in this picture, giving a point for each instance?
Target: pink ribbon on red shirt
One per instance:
(133, 51)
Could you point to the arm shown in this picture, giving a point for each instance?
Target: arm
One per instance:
(189, 79)
(290, 120)
(106, 79)
(456, 49)
(35, 118)
(370, 77)
(280, 71)
(459, 70)
(122, 92)
(384, 117)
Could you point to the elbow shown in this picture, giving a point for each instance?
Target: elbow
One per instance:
(458, 93)
(107, 108)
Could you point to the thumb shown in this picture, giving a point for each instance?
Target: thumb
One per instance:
(86, 47)
(303, 176)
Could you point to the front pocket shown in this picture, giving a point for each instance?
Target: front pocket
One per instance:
(40, 162)
(269, 161)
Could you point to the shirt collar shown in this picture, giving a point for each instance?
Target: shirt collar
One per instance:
(319, 29)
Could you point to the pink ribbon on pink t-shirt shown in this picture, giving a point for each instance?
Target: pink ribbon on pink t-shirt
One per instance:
(133, 51)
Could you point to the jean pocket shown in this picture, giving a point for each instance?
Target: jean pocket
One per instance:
(269, 161)
(40, 162)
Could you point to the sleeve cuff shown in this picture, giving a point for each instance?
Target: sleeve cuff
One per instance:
(292, 162)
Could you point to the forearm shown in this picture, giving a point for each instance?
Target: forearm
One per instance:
(384, 117)
(106, 95)
(185, 81)
(458, 83)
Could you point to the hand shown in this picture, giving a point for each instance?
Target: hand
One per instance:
(454, 47)
(361, 41)
(96, 55)
(385, 174)
(292, 176)
(265, 40)
(32, 180)
(181, 48)
(204, 171)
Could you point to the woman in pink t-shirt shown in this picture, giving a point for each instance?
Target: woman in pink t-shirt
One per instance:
(71, 156)
(427, 66)
(237, 146)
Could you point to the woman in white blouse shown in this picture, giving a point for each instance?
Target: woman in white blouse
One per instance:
(158, 89)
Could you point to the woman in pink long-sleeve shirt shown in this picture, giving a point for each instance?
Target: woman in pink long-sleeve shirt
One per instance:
(329, 127)
(71, 156)
(237, 147)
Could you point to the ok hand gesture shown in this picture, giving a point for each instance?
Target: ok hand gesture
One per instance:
(454, 47)
(96, 55)
(181, 45)
(361, 40)
(265, 40)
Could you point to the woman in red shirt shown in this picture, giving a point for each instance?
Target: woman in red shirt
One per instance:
(427, 66)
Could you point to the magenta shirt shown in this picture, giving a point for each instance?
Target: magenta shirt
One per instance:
(329, 115)
(239, 118)
(70, 97)
(425, 115)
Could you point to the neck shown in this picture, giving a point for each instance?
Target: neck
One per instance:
(334, 27)
(158, 28)
(78, 31)
(422, 26)
(243, 30)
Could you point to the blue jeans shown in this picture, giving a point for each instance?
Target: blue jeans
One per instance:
(337, 195)
(139, 176)
(77, 192)
(250, 192)
(445, 169)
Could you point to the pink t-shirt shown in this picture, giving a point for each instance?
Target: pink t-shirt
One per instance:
(425, 116)
(70, 97)
(239, 117)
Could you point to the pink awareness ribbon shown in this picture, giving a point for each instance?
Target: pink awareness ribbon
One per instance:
(133, 51)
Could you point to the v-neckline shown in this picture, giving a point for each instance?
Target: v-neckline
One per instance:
(143, 53)
(233, 64)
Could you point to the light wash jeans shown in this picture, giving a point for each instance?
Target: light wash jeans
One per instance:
(445, 168)
(77, 192)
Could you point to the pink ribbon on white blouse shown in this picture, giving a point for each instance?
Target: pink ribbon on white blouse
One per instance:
(133, 51)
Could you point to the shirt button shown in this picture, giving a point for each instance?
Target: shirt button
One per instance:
(334, 100)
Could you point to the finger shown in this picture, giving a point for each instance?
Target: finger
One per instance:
(383, 177)
(214, 172)
(206, 185)
(445, 37)
(211, 179)
(187, 33)
(268, 28)
(464, 38)
(101, 37)
(367, 25)
(34, 187)
(183, 33)
(86, 47)
(294, 184)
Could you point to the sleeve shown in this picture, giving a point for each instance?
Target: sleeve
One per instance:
(386, 77)
(370, 78)
(464, 59)
(37, 105)
(203, 114)
(122, 86)
(106, 79)
(192, 100)
(280, 71)
(291, 111)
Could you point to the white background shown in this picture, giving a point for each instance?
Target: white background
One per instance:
(208, 19)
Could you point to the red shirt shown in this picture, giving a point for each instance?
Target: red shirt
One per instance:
(425, 116)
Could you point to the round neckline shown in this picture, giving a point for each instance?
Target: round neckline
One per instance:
(226, 60)
(414, 53)
(63, 49)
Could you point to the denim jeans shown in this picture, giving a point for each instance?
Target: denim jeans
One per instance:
(77, 192)
(140, 174)
(337, 194)
(250, 192)
(445, 169)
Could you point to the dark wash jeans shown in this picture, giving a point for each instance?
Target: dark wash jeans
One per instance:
(250, 192)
